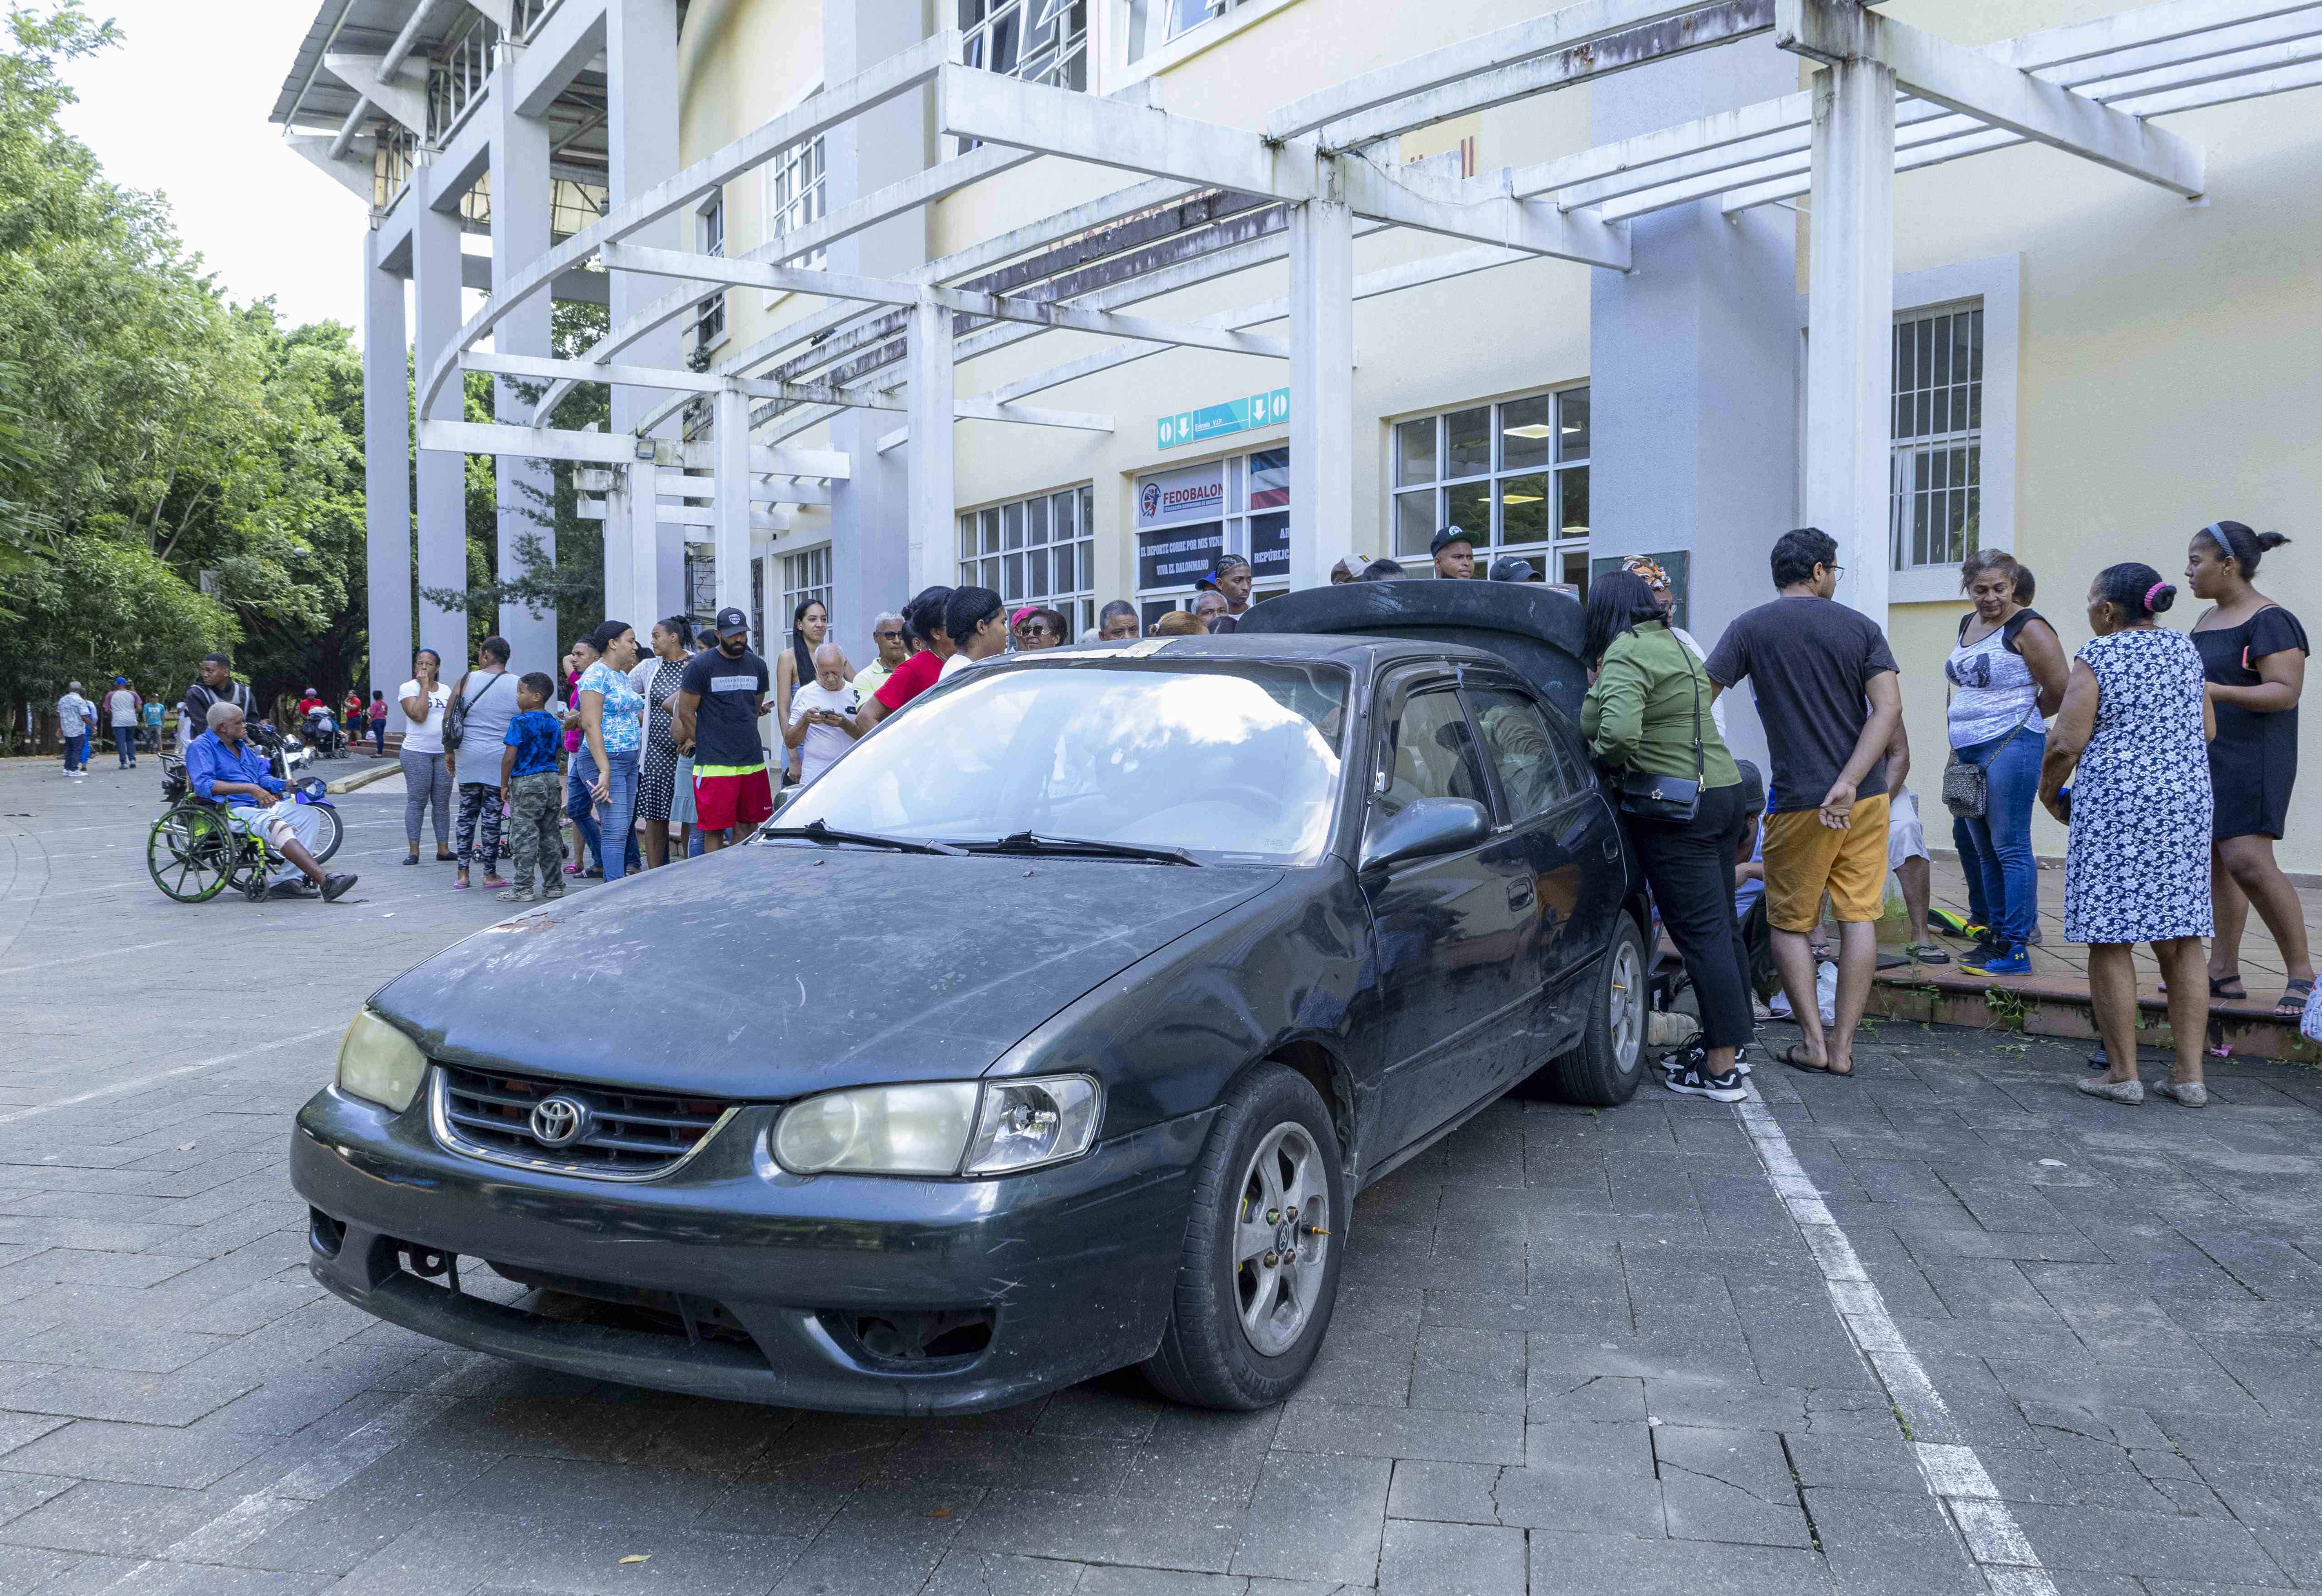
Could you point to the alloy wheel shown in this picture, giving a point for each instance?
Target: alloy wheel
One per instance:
(1282, 1237)
(1625, 1024)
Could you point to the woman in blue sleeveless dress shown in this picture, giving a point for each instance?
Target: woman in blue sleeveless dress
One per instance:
(2133, 737)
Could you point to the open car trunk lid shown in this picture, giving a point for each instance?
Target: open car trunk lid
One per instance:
(1536, 629)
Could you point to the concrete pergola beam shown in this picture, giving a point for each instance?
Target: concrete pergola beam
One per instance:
(619, 449)
(1840, 31)
(973, 104)
(710, 269)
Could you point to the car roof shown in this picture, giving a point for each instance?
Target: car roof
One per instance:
(1354, 652)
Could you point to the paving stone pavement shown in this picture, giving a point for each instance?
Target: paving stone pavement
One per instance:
(1574, 1351)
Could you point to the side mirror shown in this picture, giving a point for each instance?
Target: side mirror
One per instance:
(1424, 828)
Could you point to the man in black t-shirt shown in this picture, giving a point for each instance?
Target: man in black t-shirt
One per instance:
(1829, 699)
(719, 700)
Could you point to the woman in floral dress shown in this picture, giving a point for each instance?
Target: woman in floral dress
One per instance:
(2136, 725)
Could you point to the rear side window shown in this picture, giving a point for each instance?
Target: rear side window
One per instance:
(1430, 753)
(1534, 766)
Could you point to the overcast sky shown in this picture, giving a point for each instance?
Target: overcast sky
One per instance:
(181, 107)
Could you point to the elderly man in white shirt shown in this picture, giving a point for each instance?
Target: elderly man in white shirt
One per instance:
(822, 715)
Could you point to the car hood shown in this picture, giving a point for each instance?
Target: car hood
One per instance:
(770, 971)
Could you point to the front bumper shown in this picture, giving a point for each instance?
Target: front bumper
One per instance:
(1070, 1268)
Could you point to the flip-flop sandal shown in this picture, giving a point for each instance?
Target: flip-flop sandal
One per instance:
(1927, 953)
(1790, 1056)
(2217, 985)
(2292, 1004)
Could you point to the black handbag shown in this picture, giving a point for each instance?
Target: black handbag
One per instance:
(1673, 798)
(455, 713)
(1967, 786)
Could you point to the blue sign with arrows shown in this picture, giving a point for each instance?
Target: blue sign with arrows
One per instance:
(1246, 413)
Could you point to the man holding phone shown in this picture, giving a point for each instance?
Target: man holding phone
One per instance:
(822, 715)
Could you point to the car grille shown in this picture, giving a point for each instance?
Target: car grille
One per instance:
(626, 1135)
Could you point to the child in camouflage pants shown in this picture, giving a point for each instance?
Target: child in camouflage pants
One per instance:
(535, 792)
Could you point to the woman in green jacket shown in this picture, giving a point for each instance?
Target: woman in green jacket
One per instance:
(1648, 711)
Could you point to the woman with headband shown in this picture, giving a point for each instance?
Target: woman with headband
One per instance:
(2131, 738)
(2253, 654)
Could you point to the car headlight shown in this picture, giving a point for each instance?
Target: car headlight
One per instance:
(939, 1128)
(379, 1063)
(1028, 1123)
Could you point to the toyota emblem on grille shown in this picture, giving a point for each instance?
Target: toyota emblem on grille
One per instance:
(558, 1121)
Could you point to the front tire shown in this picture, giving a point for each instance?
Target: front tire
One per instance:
(1604, 1069)
(1258, 1274)
(335, 832)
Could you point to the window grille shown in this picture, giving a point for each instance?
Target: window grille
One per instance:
(1937, 462)
(1035, 551)
(1514, 475)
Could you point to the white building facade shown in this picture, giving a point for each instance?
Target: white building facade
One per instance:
(1070, 296)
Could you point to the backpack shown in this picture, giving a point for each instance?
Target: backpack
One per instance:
(455, 713)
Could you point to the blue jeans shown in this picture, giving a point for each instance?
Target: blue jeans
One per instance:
(1996, 850)
(580, 805)
(620, 816)
(125, 743)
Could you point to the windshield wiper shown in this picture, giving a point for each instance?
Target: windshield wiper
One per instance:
(1026, 842)
(815, 831)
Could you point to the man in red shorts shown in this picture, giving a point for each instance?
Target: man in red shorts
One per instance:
(719, 700)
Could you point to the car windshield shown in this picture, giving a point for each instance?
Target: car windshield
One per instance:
(1234, 763)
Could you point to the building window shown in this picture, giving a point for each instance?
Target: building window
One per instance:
(1038, 40)
(1513, 475)
(794, 198)
(1936, 503)
(709, 315)
(1035, 551)
(806, 576)
(1187, 517)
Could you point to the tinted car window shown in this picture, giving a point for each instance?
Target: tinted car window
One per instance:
(1234, 763)
(1533, 766)
(1429, 752)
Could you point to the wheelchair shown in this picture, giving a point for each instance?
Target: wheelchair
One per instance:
(194, 852)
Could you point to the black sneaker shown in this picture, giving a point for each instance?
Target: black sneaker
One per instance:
(1696, 1057)
(335, 887)
(1691, 1082)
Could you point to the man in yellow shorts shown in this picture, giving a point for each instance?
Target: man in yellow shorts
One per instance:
(1829, 698)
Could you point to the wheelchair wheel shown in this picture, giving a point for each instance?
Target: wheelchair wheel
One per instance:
(190, 854)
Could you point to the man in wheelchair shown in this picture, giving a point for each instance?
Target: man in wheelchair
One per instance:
(222, 766)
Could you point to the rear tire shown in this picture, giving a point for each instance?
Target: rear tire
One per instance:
(1604, 1069)
(1243, 1332)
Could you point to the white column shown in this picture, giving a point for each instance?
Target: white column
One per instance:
(443, 475)
(642, 549)
(1850, 324)
(641, 133)
(732, 503)
(386, 474)
(520, 217)
(927, 464)
(1322, 383)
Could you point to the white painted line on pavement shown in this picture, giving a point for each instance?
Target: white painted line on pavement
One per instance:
(264, 1509)
(1954, 1474)
(119, 1087)
(134, 947)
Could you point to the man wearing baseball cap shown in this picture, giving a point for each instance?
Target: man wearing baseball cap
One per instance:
(1455, 553)
(720, 700)
(1515, 567)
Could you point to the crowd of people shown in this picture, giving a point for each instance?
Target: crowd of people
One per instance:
(2169, 757)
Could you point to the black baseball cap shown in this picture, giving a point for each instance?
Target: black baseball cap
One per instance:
(1446, 537)
(730, 623)
(1515, 567)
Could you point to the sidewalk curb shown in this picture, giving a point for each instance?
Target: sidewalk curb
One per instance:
(361, 778)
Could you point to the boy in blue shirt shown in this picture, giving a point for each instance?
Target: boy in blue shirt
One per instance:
(533, 791)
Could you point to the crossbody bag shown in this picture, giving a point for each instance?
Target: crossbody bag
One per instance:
(1650, 797)
(455, 713)
(1967, 789)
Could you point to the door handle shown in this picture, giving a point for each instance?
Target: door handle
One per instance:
(1520, 895)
